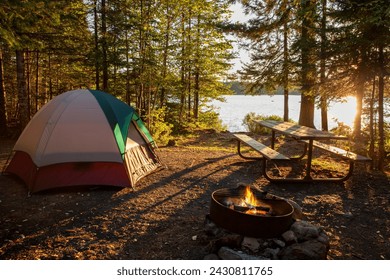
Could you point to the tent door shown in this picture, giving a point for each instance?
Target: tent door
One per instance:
(138, 158)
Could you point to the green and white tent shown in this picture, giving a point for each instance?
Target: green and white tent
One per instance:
(84, 137)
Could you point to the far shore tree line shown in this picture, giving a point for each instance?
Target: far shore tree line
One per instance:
(168, 58)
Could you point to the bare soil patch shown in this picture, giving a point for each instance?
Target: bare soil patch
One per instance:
(162, 218)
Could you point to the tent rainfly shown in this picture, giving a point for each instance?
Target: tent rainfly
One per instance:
(83, 137)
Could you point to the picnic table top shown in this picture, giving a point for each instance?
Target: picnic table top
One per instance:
(298, 131)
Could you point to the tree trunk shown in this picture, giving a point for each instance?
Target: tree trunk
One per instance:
(165, 55)
(27, 67)
(3, 115)
(189, 88)
(128, 94)
(36, 82)
(182, 69)
(50, 78)
(24, 115)
(323, 97)
(357, 124)
(381, 127)
(196, 94)
(285, 72)
(360, 87)
(96, 37)
(306, 116)
(371, 152)
(104, 46)
(189, 64)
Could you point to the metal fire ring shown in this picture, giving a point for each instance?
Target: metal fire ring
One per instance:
(261, 226)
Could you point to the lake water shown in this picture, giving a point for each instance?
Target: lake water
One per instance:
(233, 111)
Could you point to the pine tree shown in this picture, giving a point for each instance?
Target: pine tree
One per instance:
(3, 115)
(271, 33)
(307, 17)
(363, 50)
(40, 32)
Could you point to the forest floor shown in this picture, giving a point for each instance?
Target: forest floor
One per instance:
(163, 217)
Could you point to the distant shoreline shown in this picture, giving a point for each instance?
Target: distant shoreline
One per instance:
(238, 89)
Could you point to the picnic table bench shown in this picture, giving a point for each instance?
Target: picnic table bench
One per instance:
(347, 155)
(267, 153)
(264, 150)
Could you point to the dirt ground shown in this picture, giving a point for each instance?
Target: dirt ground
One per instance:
(163, 217)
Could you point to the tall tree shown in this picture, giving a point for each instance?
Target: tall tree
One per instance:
(285, 71)
(41, 30)
(104, 9)
(3, 115)
(96, 40)
(381, 121)
(364, 49)
(323, 46)
(270, 33)
(23, 108)
(133, 49)
(307, 17)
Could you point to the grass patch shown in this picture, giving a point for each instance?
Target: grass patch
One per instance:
(326, 164)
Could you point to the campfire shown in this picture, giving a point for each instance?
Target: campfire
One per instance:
(246, 223)
(248, 204)
(249, 212)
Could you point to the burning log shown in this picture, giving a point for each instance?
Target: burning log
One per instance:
(248, 204)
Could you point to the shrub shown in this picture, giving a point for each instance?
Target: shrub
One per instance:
(255, 128)
(159, 128)
(206, 120)
(342, 129)
(210, 119)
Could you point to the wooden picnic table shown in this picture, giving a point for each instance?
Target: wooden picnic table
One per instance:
(311, 137)
(298, 132)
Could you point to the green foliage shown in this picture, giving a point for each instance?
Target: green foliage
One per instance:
(159, 128)
(206, 120)
(342, 129)
(211, 119)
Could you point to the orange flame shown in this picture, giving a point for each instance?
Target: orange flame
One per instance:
(251, 201)
(250, 198)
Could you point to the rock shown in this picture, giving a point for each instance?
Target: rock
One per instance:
(210, 227)
(230, 240)
(308, 250)
(348, 214)
(305, 231)
(324, 239)
(171, 143)
(271, 253)
(211, 257)
(279, 243)
(289, 237)
(303, 241)
(251, 244)
(226, 253)
(298, 214)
